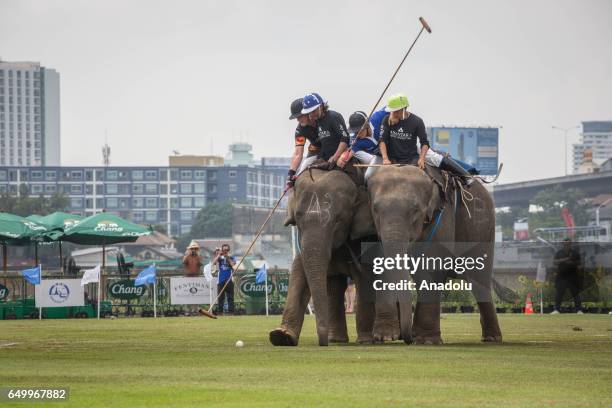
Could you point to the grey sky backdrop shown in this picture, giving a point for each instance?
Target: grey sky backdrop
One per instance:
(165, 75)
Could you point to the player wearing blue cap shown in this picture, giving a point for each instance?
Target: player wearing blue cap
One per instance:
(324, 128)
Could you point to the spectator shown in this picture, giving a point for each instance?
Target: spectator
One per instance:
(567, 260)
(349, 296)
(193, 263)
(226, 263)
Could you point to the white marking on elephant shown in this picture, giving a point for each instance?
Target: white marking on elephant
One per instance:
(321, 208)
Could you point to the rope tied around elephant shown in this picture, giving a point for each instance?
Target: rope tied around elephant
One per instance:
(466, 196)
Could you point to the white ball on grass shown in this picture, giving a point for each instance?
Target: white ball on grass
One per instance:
(239, 343)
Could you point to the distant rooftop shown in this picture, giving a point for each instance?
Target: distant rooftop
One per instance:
(597, 126)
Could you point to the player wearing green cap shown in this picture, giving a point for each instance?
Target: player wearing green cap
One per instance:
(399, 133)
(398, 144)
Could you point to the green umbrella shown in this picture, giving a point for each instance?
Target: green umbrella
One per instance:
(14, 227)
(35, 217)
(59, 220)
(16, 230)
(104, 229)
(57, 223)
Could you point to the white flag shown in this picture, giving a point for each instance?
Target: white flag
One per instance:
(540, 273)
(91, 275)
(207, 272)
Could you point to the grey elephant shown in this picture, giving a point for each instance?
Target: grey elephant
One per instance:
(406, 207)
(330, 212)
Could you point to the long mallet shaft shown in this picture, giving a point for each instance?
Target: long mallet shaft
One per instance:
(424, 26)
(209, 312)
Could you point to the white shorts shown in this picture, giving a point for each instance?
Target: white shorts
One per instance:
(433, 158)
(364, 157)
(307, 161)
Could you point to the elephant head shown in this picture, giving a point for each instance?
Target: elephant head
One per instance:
(323, 208)
(403, 200)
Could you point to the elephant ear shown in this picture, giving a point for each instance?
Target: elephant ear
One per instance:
(434, 202)
(290, 217)
(363, 223)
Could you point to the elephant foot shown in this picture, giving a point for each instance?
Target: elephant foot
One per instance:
(428, 340)
(491, 339)
(365, 339)
(384, 332)
(282, 337)
(338, 339)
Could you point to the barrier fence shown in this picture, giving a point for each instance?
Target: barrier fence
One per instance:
(121, 298)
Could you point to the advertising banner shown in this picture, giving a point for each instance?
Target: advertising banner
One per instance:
(192, 291)
(59, 293)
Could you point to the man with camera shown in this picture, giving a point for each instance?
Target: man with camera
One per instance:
(192, 261)
(225, 288)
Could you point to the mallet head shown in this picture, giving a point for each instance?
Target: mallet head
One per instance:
(425, 25)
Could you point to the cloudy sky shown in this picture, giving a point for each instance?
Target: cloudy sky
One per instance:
(192, 76)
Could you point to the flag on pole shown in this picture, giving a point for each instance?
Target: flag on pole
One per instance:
(146, 277)
(541, 272)
(208, 273)
(91, 275)
(261, 275)
(32, 275)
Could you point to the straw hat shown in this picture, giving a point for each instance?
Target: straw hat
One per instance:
(193, 245)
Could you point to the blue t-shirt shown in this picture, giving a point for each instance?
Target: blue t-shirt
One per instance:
(367, 144)
(225, 269)
(376, 121)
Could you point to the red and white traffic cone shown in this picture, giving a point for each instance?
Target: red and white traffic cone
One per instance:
(528, 305)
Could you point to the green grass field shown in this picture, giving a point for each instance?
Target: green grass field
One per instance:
(193, 362)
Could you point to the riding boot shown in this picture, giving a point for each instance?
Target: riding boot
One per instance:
(452, 166)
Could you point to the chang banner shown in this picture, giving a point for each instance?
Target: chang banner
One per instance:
(192, 291)
(59, 293)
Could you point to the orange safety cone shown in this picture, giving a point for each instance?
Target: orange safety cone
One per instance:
(528, 305)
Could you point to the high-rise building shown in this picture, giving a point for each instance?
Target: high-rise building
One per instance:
(29, 115)
(477, 146)
(595, 144)
(168, 195)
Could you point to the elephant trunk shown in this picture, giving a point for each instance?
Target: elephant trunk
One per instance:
(396, 304)
(316, 255)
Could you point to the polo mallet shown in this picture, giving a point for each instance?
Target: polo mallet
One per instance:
(208, 313)
(424, 26)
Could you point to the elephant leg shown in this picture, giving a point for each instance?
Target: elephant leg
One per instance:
(491, 332)
(481, 289)
(393, 306)
(317, 282)
(427, 323)
(386, 324)
(336, 287)
(427, 311)
(364, 316)
(298, 295)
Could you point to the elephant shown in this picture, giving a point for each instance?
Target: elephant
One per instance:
(331, 212)
(409, 209)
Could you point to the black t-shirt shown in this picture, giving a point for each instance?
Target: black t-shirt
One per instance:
(567, 269)
(303, 133)
(331, 131)
(401, 138)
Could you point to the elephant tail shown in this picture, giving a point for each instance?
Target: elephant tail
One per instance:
(504, 293)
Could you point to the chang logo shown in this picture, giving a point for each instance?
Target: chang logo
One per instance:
(69, 222)
(59, 293)
(34, 226)
(3, 292)
(108, 226)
